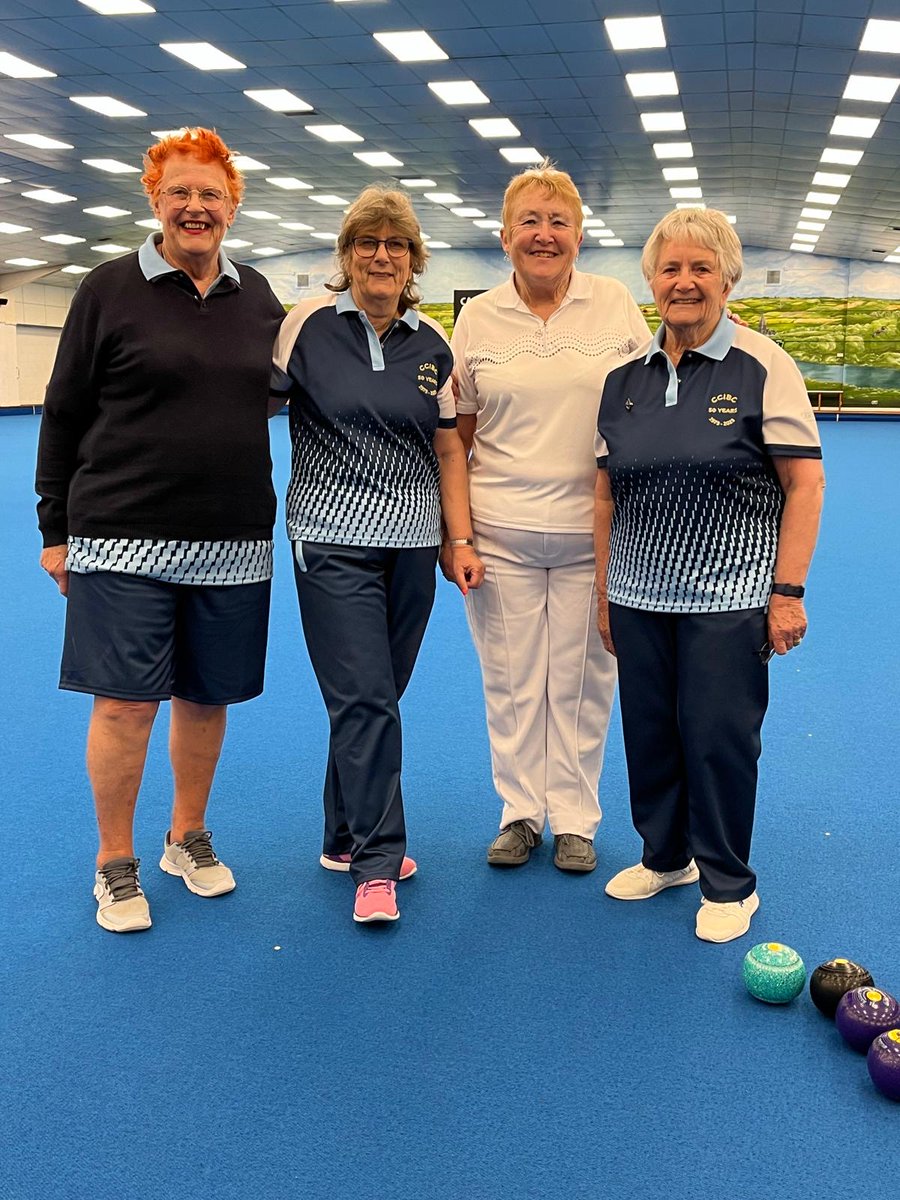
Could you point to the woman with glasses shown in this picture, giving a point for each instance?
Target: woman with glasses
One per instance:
(157, 509)
(376, 464)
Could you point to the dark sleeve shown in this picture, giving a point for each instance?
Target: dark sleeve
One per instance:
(70, 408)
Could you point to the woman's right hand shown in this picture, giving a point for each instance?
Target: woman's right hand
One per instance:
(53, 561)
(603, 624)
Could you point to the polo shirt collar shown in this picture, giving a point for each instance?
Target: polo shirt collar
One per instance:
(345, 303)
(153, 265)
(579, 289)
(716, 346)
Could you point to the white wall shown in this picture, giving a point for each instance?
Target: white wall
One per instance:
(29, 335)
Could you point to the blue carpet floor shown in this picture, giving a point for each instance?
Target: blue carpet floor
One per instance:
(515, 1034)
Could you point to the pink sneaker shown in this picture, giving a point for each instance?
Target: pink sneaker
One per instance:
(341, 862)
(376, 901)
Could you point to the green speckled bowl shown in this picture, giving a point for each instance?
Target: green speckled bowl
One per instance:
(774, 973)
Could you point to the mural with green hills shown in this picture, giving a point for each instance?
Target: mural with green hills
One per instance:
(847, 345)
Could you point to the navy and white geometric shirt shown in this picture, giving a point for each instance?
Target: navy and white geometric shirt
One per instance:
(364, 411)
(697, 502)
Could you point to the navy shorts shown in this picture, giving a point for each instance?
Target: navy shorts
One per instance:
(133, 638)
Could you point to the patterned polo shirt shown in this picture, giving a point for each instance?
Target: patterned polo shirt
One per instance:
(364, 411)
(697, 502)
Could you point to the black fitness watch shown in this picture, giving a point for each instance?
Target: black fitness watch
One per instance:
(795, 590)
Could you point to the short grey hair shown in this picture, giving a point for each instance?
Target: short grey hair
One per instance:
(705, 227)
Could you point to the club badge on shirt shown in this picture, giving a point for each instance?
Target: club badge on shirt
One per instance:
(722, 410)
(428, 379)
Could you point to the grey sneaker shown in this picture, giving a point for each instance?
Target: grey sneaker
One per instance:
(195, 861)
(121, 905)
(513, 845)
(640, 883)
(573, 852)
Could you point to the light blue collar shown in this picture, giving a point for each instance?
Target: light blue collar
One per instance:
(346, 304)
(154, 265)
(716, 346)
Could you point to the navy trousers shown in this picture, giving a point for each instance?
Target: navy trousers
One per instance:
(693, 691)
(364, 612)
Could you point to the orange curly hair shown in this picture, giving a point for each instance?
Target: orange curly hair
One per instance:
(202, 144)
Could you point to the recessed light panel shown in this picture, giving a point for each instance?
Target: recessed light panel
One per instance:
(244, 162)
(38, 141)
(413, 45)
(107, 210)
(881, 36)
(447, 198)
(522, 154)
(266, 251)
(27, 262)
(62, 239)
(803, 249)
(663, 122)
(323, 236)
(811, 226)
(329, 198)
(494, 127)
(594, 223)
(75, 270)
(673, 149)
(821, 198)
(676, 174)
(7, 227)
(110, 164)
(845, 158)
(260, 214)
(18, 68)
(460, 91)
(652, 83)
(827, 179)
(49, 196)
(806, 237)
(108, 106)
(816, 214)
(467, 212)
(203, 55)
(690, 204)
(334, 133)
(635, 33)
(418, 183)
(149, 223)
(877, 88)
(861, 127)
(278, 100)
(289, 183)
(118, 8)
(109, 248)
(439, 246)
(236, 243)
(295, 226)
(686, 193)
(377, 158)
(488, 223)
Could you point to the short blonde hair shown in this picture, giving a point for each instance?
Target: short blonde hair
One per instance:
(203, 144)
(705, 227)
(373, 207)
(555, 183)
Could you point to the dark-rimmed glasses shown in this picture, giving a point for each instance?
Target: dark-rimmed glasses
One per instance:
(367, 247)
(211, 198)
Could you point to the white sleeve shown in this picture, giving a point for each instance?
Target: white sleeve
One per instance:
(468, 395)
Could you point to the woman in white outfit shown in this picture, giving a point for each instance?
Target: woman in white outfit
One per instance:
(531, 358)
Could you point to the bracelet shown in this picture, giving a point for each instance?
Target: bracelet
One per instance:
(453, 542)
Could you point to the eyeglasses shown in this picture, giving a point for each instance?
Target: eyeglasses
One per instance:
(765, 653)
(367, 247)
(211, 198)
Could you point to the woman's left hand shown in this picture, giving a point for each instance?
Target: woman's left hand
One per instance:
(466, 567)
(787, 623)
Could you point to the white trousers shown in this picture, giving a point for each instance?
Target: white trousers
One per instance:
(548, 682)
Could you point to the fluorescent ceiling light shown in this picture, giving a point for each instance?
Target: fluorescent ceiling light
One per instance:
(602, 234)
(652, 83)
(881, 36)
(6, 227)
(260, 214)
(594, 223)
(673, 149)
(203, 56)
(244, 162)
(800, 246)
(18, 68)
(732, 220)
(686, 193)
(236, 243)
(267, 251)
(295, 226)
(62, 239)
(107, 210)
(414, 45)
(816, 214)
(846, 158)
(461, 91)
(674, 174)
(118, 8)
(880, 88)
(48, 196)
(893, 258)
(38, 141)
(447, 198)
(334, 133)
(613, 242)
(467, 212)
(108, 106)
(165, 133)
(806, 237)
(278, 100)
(325, 237)
(439, 246)
(418, 183)
(109, 248)
(289, 182)
(489, 223)
(522, 154)
(329, 198)
(75, 270)
(586, 210)
(861, 127)
(149, 223)
(110, 164)
(496, 232)
(821, 198)
(826, 179)
(635, 33)
(494, 127)
(663, 122)
(814, 226)
(3, 179)
(690, 204)
(377, 158)
(27, 262)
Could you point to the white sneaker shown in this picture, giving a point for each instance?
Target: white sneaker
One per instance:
(121, 905)
(723, 922)
(195, 861)
(640, 883)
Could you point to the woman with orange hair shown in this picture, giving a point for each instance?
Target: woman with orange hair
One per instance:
(156, 509)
